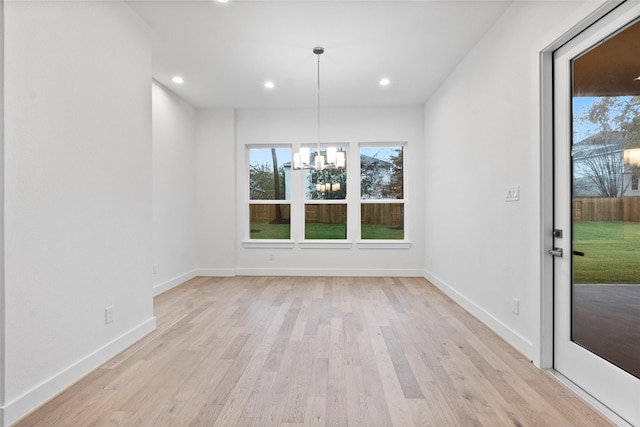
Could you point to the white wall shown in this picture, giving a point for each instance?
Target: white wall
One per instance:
(77, 192)
(2, 299)
(344, 125)
(216, 192)
(174, 189)
(482, 133)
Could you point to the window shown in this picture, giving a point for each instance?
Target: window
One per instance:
(318, 209)
(269, 193)
(382, 192)
(325, 207)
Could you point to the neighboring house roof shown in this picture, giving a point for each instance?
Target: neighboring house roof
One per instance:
(364, 160)
(368, 160)
(597, 145)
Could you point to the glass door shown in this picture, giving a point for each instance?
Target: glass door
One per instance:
(597, 211)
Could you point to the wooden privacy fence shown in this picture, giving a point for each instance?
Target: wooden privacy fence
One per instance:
(267, 213)
(371, 213)
(381, 213)
(326, 214)
(606, 209)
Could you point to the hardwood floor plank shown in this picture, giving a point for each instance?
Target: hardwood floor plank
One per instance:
(207, 415)
(259, 395)
(313, 317)
(319, 377)
(336, 412)
(236, 346)
(234, 406)
(393, 394)
(273, 410)
(353, 331)
(357, 414)
(315, 351)
(300, 382)
(336, 349)
(315, 414)
(403, 370)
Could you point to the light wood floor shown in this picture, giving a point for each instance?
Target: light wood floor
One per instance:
(292, 351)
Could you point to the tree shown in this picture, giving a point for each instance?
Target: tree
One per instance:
(381, 174)
(614, 125)
(334, 181)
(396, 183)
(603, 168)
(372, 180)
(276, 186)
(261, 182)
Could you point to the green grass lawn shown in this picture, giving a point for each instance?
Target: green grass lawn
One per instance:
(374, 231)
(264, 230)
(612, 252)
(325, 231)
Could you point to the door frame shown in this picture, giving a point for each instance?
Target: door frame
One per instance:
(547, 178)
(546, 349)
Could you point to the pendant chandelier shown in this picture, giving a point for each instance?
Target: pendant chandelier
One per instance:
(334, 159)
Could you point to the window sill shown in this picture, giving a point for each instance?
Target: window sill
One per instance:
(325, 244)
(384, 244)
(268, 244)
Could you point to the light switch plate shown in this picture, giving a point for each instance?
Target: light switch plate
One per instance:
(512, 193)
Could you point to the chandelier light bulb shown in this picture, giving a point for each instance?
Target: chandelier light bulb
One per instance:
(334, 159)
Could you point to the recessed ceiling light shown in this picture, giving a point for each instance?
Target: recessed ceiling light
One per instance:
(178, 79)
(222, 1)
(269, 85)
(385, 82)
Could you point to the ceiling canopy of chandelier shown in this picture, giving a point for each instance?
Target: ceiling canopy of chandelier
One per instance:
(333, 158)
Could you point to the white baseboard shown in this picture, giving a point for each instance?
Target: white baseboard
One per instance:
(523, 345)
(22, 405)
(216, 272)
(172, 283)
(345, 272)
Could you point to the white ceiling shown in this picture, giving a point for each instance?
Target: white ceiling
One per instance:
(226, 52)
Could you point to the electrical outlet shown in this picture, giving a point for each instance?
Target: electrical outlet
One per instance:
(271, 257)
(108, 315)
(515, 306)
(512, 193)
(155, 268)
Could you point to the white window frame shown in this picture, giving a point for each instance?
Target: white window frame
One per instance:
(325, 243)
(248, 242)
(384, 243)
(298, 202)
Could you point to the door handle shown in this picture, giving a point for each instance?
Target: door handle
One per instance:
(556, 252)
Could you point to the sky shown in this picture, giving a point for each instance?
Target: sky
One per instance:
(581, 104)
(261, 156)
